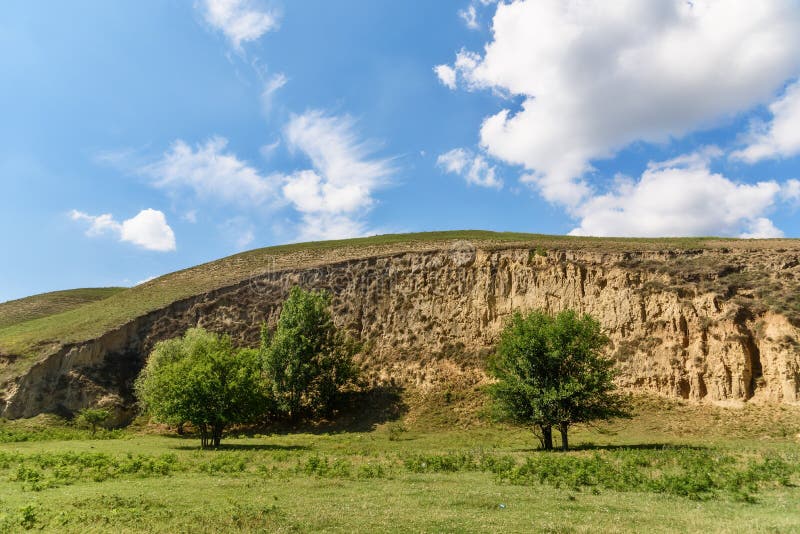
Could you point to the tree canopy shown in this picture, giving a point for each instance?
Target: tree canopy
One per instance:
(307, 359)
(201, 379)
(551, 372)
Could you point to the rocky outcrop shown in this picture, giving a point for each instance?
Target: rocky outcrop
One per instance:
(421, 313)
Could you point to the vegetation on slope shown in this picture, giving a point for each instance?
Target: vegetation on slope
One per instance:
(37, 306)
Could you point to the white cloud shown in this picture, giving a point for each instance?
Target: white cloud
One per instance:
(781, 136)
(98, 224)
(334, 195)
(272, 84)
(148, 229)
(212, 173)
(240, 20)
(446, 74)
(596, 76)
(470, 17)
(761, 228)
(324, 226)
(681, 197)
(473, 167)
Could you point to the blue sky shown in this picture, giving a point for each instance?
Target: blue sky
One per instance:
(137, 138)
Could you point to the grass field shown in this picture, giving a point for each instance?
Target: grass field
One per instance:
(673, 468)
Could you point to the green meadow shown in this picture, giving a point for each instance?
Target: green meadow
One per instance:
(438, 468)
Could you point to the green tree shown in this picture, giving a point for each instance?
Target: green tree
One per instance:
(201, 379)
(94, 417)
(551, 372)
(307, 359)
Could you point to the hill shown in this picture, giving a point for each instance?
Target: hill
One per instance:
(26, 309)
(700, 318)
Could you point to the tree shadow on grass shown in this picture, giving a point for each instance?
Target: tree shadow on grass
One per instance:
(358, 411)
(633, 446)
(227, 446)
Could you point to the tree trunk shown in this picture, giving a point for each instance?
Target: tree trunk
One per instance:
(563, 428)
(547, 437)
(203, 437)
(217, 434)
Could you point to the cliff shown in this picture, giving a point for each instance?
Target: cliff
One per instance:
(709, 324)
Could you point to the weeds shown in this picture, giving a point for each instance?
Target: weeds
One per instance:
(42, 471)
(694, 473)
(20, 435)
(396, 429)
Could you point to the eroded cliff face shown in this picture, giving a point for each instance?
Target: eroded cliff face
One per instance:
(431, 317)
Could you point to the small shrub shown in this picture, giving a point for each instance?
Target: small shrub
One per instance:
(94, 417)
(27, 517)
(396, 429)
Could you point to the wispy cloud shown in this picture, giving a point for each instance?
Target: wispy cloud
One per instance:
(213, 173)
(271, 85)
(470, 17)
(240, 20)
(334, 195)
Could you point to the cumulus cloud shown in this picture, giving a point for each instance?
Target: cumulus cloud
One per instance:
(212, 173)
(781, 136)
(472, 167)
(148, 229)
(596, 76)
(332, 196)
(240, 20)
(681, 197)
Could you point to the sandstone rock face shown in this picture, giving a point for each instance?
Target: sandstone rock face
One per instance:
(430, 316)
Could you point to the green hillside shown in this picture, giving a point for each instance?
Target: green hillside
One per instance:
(38, 306)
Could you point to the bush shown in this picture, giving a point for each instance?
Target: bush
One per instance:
(94, 417)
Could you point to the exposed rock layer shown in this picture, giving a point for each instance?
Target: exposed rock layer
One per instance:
(421, 312)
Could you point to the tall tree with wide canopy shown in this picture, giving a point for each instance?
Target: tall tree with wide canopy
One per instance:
(201, 379)
(551, 372)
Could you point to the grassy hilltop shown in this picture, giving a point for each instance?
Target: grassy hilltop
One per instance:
(45, 304)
